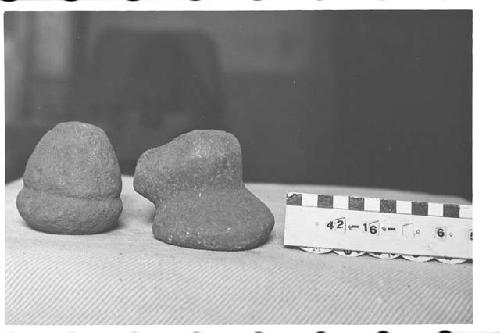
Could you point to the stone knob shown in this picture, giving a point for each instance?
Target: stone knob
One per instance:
(195, 183)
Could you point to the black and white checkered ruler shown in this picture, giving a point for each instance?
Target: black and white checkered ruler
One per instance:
(387, 229)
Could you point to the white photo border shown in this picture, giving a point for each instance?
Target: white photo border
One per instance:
(486, 162)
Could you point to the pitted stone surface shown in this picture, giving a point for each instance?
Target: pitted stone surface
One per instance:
(195, 182)
(72, 182)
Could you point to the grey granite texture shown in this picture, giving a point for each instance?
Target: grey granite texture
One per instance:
(195, 183)
(72, 182)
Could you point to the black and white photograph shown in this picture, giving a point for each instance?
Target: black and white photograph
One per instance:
(255, 167)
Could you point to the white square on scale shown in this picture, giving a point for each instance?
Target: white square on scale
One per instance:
(340, 202)
(372, 204)
(435, 209)
(310, 200)
(403, 207)
(465, 211)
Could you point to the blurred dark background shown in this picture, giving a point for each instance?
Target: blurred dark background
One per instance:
(359, 98)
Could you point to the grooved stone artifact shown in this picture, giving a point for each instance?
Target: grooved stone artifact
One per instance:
(195, 182)
(72, 182)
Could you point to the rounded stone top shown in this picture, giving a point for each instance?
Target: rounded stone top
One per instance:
(197, 161)
(74, 159)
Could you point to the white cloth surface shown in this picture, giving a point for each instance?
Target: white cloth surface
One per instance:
(125, 276)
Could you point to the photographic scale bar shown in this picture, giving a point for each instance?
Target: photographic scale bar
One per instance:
(386, 229)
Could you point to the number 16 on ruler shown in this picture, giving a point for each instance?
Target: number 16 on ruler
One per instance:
(372, 227)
